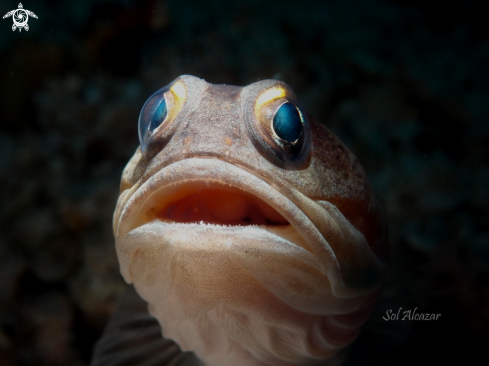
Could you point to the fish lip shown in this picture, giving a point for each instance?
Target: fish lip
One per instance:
(292, 204)
(237, 175)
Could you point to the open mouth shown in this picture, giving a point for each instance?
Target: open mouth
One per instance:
(224, 204)
(203, 191)
(208, 202)
(198, 208)
(214, 203)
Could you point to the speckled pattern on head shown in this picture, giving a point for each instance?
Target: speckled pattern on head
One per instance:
(250, 250)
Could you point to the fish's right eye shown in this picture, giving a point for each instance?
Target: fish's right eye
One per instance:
(153, 114)
(157, 117)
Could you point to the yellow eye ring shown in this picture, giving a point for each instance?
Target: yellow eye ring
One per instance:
(277, 126)
(157, 117)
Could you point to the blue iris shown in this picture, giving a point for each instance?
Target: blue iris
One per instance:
(287, 122)
(158, 116)
(153, 114)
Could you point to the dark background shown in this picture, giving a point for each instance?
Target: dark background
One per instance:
(405, 84)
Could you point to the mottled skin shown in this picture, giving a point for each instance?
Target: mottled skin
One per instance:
(250, 295)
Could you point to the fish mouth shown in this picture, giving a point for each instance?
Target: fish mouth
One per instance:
(210, 191)
(207, 207)
(209, 202)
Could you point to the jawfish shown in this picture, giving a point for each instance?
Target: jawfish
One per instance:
(249, 229)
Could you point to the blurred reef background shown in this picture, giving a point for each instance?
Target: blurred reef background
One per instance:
(405, 84)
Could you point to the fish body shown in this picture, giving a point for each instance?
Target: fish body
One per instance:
(249, 229)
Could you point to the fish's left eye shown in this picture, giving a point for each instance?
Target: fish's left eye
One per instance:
(288, 122)
(277, 126)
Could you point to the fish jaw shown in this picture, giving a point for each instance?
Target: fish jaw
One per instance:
(244, 291)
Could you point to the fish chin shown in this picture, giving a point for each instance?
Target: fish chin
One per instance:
(219, 294)
(253, 292)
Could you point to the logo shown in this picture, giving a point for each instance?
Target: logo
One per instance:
(20, 17)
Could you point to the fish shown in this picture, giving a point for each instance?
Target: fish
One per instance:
(249, 231)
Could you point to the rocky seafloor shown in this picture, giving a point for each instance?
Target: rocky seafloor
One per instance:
(404, 84)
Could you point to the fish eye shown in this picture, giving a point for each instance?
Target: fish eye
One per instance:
(288, 122)
(278, 127)
(159, 116)
(153, 114)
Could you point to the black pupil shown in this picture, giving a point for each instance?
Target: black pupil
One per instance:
(287, 123)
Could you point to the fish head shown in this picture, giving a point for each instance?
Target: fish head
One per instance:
(248, 227)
